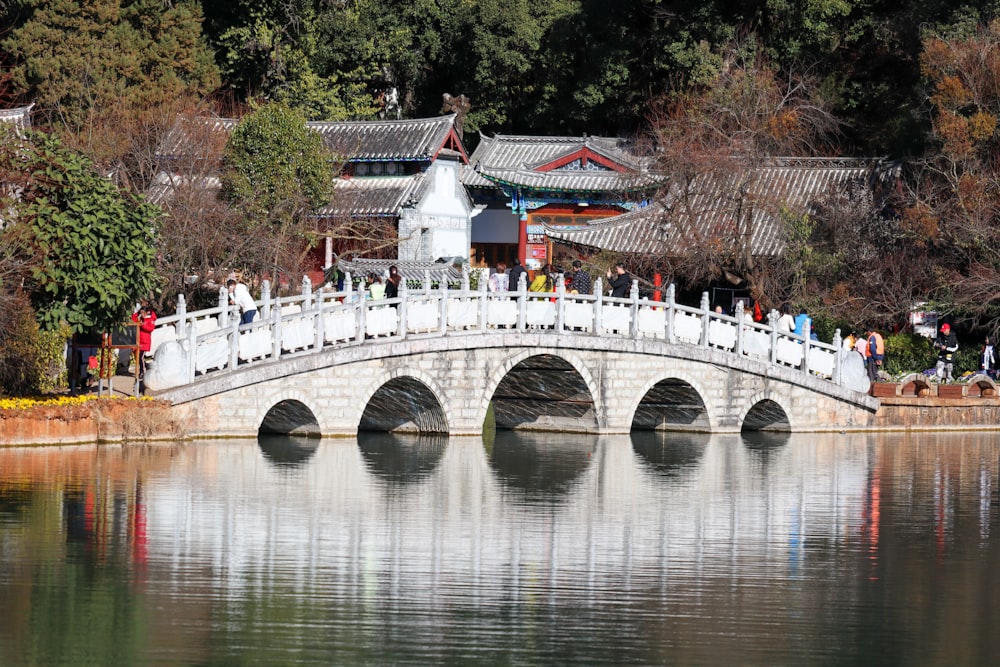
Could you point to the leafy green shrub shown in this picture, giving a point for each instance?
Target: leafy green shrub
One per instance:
(31, 361)
(908, 353)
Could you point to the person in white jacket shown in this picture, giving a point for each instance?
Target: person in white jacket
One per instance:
(239, 296)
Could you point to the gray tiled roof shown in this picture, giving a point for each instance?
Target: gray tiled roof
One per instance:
(383, 196)
(515, 160)
(795, 185)
(419, 139)
(20, 117)
(360, 267)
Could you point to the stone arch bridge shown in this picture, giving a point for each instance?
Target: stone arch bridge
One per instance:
(458, 361)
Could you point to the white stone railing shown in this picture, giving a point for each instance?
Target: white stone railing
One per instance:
(187, 346)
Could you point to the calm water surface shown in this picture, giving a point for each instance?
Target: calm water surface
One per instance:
(513, 550)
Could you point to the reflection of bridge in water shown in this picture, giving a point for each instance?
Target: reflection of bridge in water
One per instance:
(452, 361)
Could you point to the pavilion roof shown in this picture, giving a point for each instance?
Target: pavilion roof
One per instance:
(794, 186)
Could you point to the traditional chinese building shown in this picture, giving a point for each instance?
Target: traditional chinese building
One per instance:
(525, 186)
(404, 173)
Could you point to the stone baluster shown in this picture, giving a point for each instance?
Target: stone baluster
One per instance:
(772, 321)
(192, 352)
(483, 305)
(560, 303)
(443, 317)
(307, 288)
(466, 279)
(427, 282)
(598, 306)
(276, 331)
(741, 327)
(319, 321)
(838, 344)
(807, 339)
(705, 313)
(633, 326)
(223, 307)
(522, 301)
(404, 293)
(265, 299)
(671, 300)
(234, 343)
(361, 315)
(182, 322)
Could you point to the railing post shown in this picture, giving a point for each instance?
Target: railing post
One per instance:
(806, 330)
(193, 352)
(427, 282)
(276, 331)
(361, 313)
(705, 311)
(671, 312)
(837, 353)
(307, 289)
(598, 303)
(633, 326)
(223, 307)
(560, 304)
(265, 299)
(234, 344)
(522, 301)
(443, 324)
(319, 325)
(404, 293)
(181, 317)
(772, 320)
(740, 327)
(483, 306)
(465, 277)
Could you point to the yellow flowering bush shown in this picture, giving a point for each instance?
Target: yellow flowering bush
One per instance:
(26, 403)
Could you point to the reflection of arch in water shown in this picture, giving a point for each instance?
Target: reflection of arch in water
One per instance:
(404, 404)
(401, 458)
(286, 451)
(668, 453)
(762, 445)
(672, 404)
(766, 414)
(541, 466)
(544, 392)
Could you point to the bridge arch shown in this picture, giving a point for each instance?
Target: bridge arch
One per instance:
(766, 411)
(677, 387)
(403, 400)
(288, 412)
(572, 414)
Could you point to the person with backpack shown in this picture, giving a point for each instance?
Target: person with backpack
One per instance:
(875, 352)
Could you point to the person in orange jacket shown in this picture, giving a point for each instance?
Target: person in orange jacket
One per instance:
(875, 353)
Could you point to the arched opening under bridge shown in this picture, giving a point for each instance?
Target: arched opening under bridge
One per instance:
(766, 415)
(671, 405)
(404, 405)
(290, 417)
(544, 393)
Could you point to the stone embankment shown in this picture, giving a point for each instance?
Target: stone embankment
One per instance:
(917, 402)
(105, 420)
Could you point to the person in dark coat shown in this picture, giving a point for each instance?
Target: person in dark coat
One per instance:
(619, 281)
(515, 275)
(946, 345)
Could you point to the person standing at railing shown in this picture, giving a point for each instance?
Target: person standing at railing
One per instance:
(239, 296)
(498, 282)
(543, 280)
(515, 275)
(875, 352)
(376, 288)
(786, 323)
(145, 317)
(581, 282)
(801, 320)
(619, 281)
(392, 284)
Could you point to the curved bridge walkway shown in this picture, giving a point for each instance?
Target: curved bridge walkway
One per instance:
(453, 361)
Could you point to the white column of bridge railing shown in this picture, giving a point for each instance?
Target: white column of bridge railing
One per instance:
(443, 312)
(560, 289)
(705, 307)
(181, 316)
(265, 299)
(806, 345)
(598, 306)
(671, 306)
(837, 344)
(740, 331)
(483, 306)
(772, 320)
(402, 310)
(234, 343)
(522, 301)
(192, 356)
(633, 325)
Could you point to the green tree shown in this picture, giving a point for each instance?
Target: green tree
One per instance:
(83, 247)
(276, 171)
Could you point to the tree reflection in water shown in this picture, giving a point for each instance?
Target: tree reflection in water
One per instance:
(401, 458)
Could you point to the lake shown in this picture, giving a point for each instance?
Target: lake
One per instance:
(513, 549)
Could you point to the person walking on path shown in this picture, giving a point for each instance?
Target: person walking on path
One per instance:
(946, 344)
(619, 281)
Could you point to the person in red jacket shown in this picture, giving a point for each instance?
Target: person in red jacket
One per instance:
(145, 317)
